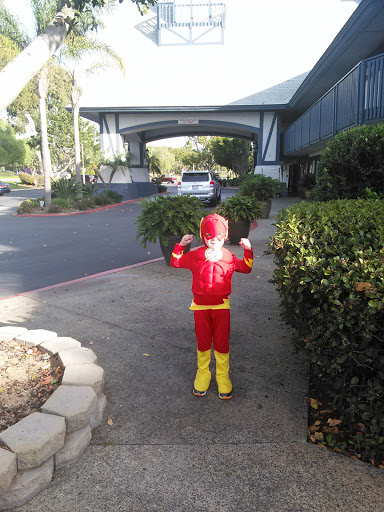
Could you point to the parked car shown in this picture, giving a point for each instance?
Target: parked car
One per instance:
(168, 179)
(4, 188)
(164, 179)
(202, 184)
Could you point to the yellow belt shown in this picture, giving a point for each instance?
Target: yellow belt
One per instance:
(201, 307)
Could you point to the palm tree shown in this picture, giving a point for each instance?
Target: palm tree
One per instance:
(42, 10)
(16, 75)
(79, 44)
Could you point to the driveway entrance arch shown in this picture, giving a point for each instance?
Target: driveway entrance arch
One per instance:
(131, 128)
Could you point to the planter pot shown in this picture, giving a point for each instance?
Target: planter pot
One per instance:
(168, 249)
(238, 230)
(265, 208)
(308, 194)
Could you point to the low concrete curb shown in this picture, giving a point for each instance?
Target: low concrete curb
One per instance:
(34, 447)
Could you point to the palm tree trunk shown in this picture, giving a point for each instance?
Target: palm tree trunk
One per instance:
(17, 73)
(46, 156)
(75, 98)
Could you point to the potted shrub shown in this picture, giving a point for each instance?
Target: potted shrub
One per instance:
(239, 211)
(261, 188)
(307, 184)
(168, 218)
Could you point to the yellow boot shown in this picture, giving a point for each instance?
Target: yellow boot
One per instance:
(224, 383)
(203, 375)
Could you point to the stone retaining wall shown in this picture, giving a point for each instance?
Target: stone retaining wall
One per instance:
(34, 447)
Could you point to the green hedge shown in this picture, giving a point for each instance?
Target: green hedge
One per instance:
(330, 276)
(108, 197)
(352, 161)
(29, 179)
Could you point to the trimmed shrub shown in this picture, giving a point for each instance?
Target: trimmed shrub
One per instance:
(54, 208)
(330, 276)
(108, 197)
(259, 187)
(65, 204)
(86, 203)
(29, 179)
(28, 206)
(351, 162)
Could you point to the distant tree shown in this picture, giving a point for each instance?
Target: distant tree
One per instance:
(27, 101)
(186, 158)
(81, 43)
(61, 139)
(161, 160)
(202, 149)
(13, 152)
(234, 154)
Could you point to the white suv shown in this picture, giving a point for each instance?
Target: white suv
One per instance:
(201, 184)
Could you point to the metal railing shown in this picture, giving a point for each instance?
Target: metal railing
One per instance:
(209, 14)
(357, 98)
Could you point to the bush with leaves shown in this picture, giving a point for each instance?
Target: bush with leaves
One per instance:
(108, 197)
(62, 202)
(330, 276)
(239, 208)
(85, 203)
(168, 215)
(351, 162)
(29, 179)
(64, 188)
(54, 208)
(259, 187)
(28, 206)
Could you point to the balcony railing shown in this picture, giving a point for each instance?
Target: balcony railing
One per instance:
(209, 14)
(356, 99)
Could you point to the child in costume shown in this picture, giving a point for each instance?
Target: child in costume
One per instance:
(212, 267)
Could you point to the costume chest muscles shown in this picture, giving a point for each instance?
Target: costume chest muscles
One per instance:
(212, 276)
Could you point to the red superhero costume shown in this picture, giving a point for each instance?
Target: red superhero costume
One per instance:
(212, 267)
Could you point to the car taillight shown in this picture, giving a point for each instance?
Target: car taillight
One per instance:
(211, 182)
(179, 183)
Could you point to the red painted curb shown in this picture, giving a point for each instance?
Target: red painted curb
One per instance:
(85, 278)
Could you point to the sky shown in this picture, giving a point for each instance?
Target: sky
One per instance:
(265, 42)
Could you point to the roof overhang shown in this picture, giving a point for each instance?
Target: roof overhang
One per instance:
(361, 37)
(93, 113)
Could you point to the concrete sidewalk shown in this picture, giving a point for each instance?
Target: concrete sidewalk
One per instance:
(168, 451)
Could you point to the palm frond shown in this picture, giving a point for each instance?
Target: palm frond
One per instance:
(43, 13)
(11, 28)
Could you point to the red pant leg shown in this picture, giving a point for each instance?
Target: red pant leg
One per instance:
(212, 325)
(221, 321)
(203, 330)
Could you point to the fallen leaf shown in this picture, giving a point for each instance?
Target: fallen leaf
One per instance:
(313, 403)
(361, 287)
(110, 422)
(319, 436)
(372, 462)
(333, 423)
(166, 291)
(380, 466)
(146, 355)
(91, 342)
(326, 411)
